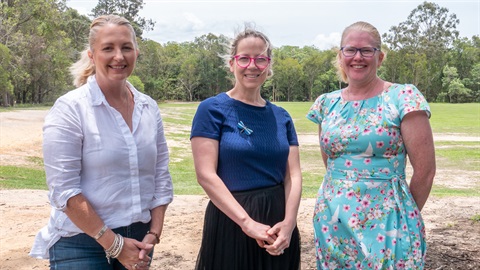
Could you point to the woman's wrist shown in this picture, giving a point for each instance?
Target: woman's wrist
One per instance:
(157, 236)
(101, 232)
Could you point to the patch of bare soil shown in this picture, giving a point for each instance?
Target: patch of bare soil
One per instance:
(453, 237)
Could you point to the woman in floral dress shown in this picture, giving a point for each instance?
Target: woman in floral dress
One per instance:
(367, 216)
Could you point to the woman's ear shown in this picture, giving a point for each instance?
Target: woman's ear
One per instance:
(231, 65)
(90, 55)
(381, 56)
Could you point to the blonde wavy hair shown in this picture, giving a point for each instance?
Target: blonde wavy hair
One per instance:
(84, 67)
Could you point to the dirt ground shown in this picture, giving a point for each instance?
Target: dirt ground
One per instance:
(453, 238)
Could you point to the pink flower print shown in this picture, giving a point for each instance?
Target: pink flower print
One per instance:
(335, 227)
(354, 242)
(325, 140)
(409, 90)
(327, 257)
(380, 144)
(350, 194)
(400, 264)
(394, 241)
(324, 229)
(367, 161)
(411, 214)
(367, 131)
(390, 192)
(346, 207)
(365, 203)
(404, 227)
(417, 244)
(353, 222)
(380, 238)
(356, 104)
(348, 163)
(379, 131)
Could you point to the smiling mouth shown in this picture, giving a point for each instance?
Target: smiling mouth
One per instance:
(253, 76)
(118, 67)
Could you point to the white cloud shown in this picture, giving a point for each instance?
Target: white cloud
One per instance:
(192, 23)
(324, 42)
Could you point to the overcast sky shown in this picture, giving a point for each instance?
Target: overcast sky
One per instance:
(297, 23)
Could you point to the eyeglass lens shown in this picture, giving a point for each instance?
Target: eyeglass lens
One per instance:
(365, 51)
(244, 61)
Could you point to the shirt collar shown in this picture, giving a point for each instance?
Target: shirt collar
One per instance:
(98, 97)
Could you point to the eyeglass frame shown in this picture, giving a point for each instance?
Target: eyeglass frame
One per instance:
(359, 50)
(250, 60)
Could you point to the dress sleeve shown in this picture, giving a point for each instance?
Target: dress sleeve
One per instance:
(411, 99)
(315, 114)
(208, 120)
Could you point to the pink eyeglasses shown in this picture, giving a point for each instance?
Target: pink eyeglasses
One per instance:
(243, 61)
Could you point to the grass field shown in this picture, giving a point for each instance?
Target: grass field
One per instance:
(457, 119)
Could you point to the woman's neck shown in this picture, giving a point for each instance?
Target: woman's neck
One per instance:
(251, 97)
(364, 91)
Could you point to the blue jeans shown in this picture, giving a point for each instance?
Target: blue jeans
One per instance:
(82, 252)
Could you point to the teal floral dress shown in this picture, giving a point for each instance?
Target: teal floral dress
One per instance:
(365, 216)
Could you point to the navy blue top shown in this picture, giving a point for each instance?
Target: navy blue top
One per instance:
(246, 161)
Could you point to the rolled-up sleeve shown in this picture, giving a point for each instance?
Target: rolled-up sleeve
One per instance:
(163, 180)
(62, 150)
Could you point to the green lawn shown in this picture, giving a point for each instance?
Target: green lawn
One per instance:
(459, 119)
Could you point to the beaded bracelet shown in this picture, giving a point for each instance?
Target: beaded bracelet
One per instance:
(101, 232)
(156, 236)
(114, 250)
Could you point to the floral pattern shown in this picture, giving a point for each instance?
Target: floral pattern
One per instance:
(365, 216)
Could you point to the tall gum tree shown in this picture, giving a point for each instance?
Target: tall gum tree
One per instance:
(429, 30)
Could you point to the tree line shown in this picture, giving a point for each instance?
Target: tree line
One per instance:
(40, 39)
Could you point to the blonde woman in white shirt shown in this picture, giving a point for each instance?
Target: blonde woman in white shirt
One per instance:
(106, 161)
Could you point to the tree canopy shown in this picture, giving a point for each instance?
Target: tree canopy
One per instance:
(40, 39)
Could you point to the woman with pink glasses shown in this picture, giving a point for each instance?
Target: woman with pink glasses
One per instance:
(246, 157)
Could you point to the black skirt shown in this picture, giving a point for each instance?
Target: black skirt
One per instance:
(226, 247)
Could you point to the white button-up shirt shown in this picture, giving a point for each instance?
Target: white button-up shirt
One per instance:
(88, 148)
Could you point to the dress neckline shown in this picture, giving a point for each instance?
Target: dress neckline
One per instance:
(365, 99)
